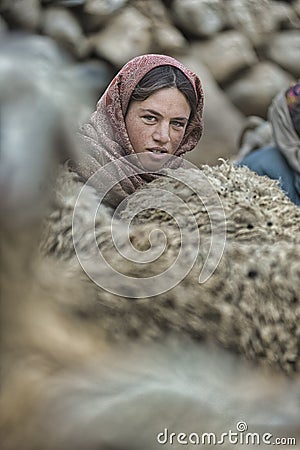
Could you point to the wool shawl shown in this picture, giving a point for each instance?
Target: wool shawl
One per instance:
(104, 139)
(285, 135)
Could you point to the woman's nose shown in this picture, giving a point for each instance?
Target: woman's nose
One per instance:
(162, 133)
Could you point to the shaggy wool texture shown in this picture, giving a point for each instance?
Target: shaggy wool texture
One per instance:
(251, 302)
(75, 376)
(76, 372)
(255, 208)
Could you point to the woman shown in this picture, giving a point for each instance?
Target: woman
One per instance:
(152, 108)
(281, 160)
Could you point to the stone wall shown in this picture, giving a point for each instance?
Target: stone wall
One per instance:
(243, 50)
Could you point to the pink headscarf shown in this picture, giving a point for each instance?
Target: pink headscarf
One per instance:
(105, 138)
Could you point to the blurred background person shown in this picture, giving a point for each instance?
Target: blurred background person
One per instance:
(279, 158)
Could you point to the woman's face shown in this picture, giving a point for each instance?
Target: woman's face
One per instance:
(156, 126)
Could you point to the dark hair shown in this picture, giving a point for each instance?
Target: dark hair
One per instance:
(163, 77)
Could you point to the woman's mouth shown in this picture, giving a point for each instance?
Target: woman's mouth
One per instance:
(154, 158)
(157, 152)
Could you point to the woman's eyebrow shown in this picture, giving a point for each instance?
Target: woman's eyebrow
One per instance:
(151, 111)
(155, 113)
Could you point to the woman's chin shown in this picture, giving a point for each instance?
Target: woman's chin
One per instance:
(153, 161)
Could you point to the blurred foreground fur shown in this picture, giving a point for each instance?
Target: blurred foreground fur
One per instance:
(250, 304)
(66, 387)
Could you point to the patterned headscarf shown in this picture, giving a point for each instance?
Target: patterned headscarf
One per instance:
(284, 117)
(104, 138)
(293, 102)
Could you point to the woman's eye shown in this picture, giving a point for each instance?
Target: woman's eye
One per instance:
(149, 118)
(178, 124)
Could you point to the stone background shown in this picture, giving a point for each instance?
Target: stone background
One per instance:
(243, 50)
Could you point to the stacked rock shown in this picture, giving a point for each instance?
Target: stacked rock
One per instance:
(244, 50)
